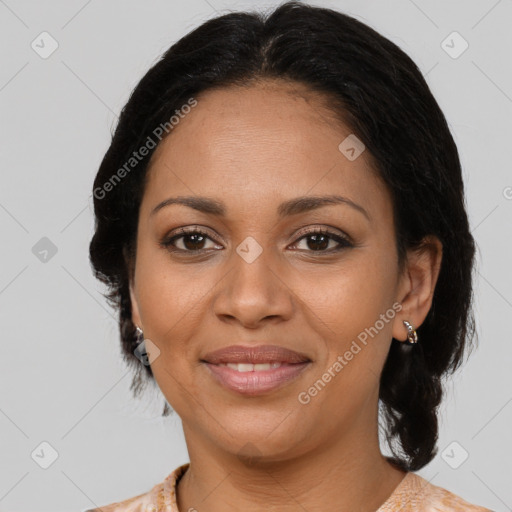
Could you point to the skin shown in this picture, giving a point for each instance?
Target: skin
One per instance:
(253, 148)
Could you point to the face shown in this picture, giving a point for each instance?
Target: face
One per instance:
(316, 280)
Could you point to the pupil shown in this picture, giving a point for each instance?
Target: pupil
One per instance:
(315, 241)
(188, 237)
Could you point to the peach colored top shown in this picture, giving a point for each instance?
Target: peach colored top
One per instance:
(413, 494)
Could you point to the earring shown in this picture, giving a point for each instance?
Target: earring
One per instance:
(412, 336)
(140, 351)
(140, 334)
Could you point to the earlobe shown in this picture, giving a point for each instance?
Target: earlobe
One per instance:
(135, 307)
(418, 285)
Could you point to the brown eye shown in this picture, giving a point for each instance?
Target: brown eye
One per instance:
(187, 240)
(318, 241)
(194, 240)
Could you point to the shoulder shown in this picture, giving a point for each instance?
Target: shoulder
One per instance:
(161, 497)
(417, 494)
(139, 503)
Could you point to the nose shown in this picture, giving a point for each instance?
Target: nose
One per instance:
(253, 292)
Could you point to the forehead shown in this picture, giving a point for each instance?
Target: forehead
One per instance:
(264, 142)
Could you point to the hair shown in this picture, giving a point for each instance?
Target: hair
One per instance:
(380, 94)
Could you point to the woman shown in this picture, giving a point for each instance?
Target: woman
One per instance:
(280, 219)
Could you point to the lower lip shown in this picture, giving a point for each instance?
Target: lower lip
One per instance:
(256, 382)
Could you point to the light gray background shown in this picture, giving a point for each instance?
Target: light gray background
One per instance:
(61, 376)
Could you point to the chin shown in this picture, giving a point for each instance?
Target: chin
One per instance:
(257, 441)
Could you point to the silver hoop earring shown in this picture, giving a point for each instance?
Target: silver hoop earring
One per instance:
(412, 335)
(140, 351)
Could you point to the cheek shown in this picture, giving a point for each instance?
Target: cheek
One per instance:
(353, 314)
(167, 291)
(350, 295)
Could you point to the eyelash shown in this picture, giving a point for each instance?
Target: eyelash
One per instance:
(167, 243)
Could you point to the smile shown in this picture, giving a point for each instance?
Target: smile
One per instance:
(249, 367)
(255, 379)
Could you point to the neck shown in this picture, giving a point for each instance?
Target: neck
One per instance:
(348, 470)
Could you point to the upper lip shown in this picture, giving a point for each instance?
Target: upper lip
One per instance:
(254, 355)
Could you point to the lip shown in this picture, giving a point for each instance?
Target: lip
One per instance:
(255, 382)
(255, 355)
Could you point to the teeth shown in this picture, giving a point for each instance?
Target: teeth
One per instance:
(248, 367)
(242, 367)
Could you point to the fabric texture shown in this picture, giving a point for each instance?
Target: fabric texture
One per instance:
(413, 494)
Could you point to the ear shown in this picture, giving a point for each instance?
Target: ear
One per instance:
(135, 307)
(417, 284)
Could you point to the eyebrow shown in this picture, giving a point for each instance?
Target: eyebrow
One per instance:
(291, 207)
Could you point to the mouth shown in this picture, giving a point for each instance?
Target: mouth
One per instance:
(248, 367)
(255, 371)
(252, 379)
(261, 354)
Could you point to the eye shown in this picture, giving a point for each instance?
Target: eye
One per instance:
(320, 239)
(191, 239)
